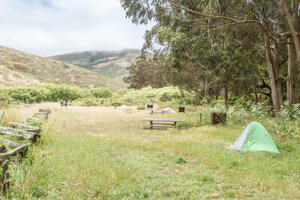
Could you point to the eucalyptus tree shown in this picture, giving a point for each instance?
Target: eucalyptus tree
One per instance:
(146, 72)
(271, 26)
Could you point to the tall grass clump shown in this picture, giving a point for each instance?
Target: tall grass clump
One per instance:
(4, 99)
(241, 113)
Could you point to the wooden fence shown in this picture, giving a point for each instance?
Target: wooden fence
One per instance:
(16, 139)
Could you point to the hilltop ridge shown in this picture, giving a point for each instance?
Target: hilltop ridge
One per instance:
(22, 69)
(108, 63)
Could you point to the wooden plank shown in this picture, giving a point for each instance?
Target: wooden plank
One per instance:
(45, 111)
(163, 120)
(158, 123)
(17, 148)
(20, 134)
(165, 127)
(25, 127)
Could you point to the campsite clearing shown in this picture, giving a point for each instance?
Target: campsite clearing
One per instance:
(103, 153)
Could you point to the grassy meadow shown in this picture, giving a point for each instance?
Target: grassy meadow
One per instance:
(103, 153)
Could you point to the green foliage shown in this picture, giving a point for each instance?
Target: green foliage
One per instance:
(3, 95)
(180, 161)
(243, 112)
(36, 190)
(116, 104)
(1, 117)
(166, 95)
(90, 102)
(146, 71)
(53, 93)
(4, 98)
(60, 92)
(102, 92)
(27, 95)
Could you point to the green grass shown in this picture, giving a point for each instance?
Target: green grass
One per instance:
(100, 153)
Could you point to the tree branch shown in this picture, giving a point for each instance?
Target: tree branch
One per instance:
(237, 21)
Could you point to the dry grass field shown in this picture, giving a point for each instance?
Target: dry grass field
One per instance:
(19, 69)
(103, 153)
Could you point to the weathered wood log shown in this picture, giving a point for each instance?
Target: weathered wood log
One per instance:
(16, 148)
(4, 177)
(25, 127)
(42, 113)
(40, 116)
(32, 119)
(45, 111)
(20, 134)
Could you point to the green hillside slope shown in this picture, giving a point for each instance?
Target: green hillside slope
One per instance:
(109, 63)
(21, 69)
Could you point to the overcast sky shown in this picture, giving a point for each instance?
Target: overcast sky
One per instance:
(49, 27)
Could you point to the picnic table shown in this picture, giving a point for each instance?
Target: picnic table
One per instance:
(163, 123)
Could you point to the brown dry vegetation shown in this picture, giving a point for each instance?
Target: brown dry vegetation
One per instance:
(22, 69)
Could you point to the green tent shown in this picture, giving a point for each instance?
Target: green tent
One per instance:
(255, 138)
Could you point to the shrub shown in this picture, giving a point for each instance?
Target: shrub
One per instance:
(166, 95)
(102, 92)
(89, 102)
(27, 95)
(59, 92)
(4, 98)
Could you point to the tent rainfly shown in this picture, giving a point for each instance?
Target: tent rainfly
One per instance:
(255, 138)
(156, 108)
(123, 107)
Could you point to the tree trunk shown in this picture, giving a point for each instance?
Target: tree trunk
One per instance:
(273, 69)
(197, 96)
(206, 91)
(292, 19)
(225, 95)
(255, 91)
(291, 63)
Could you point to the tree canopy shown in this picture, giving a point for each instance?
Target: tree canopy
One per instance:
(248, 48)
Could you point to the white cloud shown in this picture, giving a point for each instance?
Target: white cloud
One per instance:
(49, 27)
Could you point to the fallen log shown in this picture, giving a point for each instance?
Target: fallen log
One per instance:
(45, 111)
(20, 134)
(32, 119)
(14, 148)
(25, 127)
(42, 113)
(40, 116)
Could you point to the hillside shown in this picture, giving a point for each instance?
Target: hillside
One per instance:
(109, 63)
(21, 69)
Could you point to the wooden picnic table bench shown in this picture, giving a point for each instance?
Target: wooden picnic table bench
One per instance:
(163, 123)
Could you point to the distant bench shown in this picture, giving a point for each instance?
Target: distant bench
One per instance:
(163, 123)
